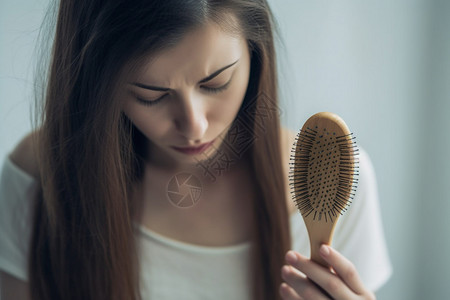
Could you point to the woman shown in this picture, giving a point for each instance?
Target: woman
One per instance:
(148, 101)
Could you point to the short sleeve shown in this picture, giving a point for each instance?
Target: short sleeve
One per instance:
(359, 232)
(17, 189)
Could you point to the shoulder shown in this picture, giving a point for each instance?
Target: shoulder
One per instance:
(16, 206)
(12, 287)
(287, 137)
(24, 154)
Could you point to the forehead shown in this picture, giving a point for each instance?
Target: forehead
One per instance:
(199, 52)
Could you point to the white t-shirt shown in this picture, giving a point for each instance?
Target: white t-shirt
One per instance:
(173, 269)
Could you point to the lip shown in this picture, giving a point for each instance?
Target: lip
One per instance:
(194, 150)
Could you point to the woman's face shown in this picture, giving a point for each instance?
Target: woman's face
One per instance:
(189, 95)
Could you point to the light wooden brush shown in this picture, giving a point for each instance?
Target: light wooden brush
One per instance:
(323, 176)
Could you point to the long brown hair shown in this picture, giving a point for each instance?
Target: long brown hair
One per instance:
(90, 154)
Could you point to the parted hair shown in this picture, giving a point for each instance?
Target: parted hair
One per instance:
(90, 155)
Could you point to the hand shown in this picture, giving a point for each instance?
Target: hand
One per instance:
(306, 279)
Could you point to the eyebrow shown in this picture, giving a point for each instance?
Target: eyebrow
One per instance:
(206, 79)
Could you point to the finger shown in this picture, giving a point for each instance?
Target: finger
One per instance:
(343, 268)
(288, 293)
(330, 283)
(304, 287)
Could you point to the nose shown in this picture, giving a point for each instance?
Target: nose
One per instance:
(191, 120)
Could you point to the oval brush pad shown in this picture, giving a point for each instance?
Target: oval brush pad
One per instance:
(323, 176)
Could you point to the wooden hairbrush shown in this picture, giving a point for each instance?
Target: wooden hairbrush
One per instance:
(323, 176)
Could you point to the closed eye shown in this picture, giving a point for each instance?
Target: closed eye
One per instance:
(219, 89)
(213, 90)
(150, 102)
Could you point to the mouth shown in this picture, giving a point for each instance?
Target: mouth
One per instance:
(193, 150)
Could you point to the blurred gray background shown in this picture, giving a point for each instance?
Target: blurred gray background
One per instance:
(384, 66)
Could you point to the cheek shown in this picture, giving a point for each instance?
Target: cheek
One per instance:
(151, 125)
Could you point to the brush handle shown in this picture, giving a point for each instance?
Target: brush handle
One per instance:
(315, 255)
(319, 232)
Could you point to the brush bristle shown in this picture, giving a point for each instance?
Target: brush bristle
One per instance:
(323, 173)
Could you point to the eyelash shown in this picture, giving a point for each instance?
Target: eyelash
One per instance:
(208, 89)
(149, 103)
(218, 89)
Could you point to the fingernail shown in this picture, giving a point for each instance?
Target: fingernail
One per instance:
(324, 250)
(291, 257)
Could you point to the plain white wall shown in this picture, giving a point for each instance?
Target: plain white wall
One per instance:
(20, 21)
(434, 166)
(384, 66)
